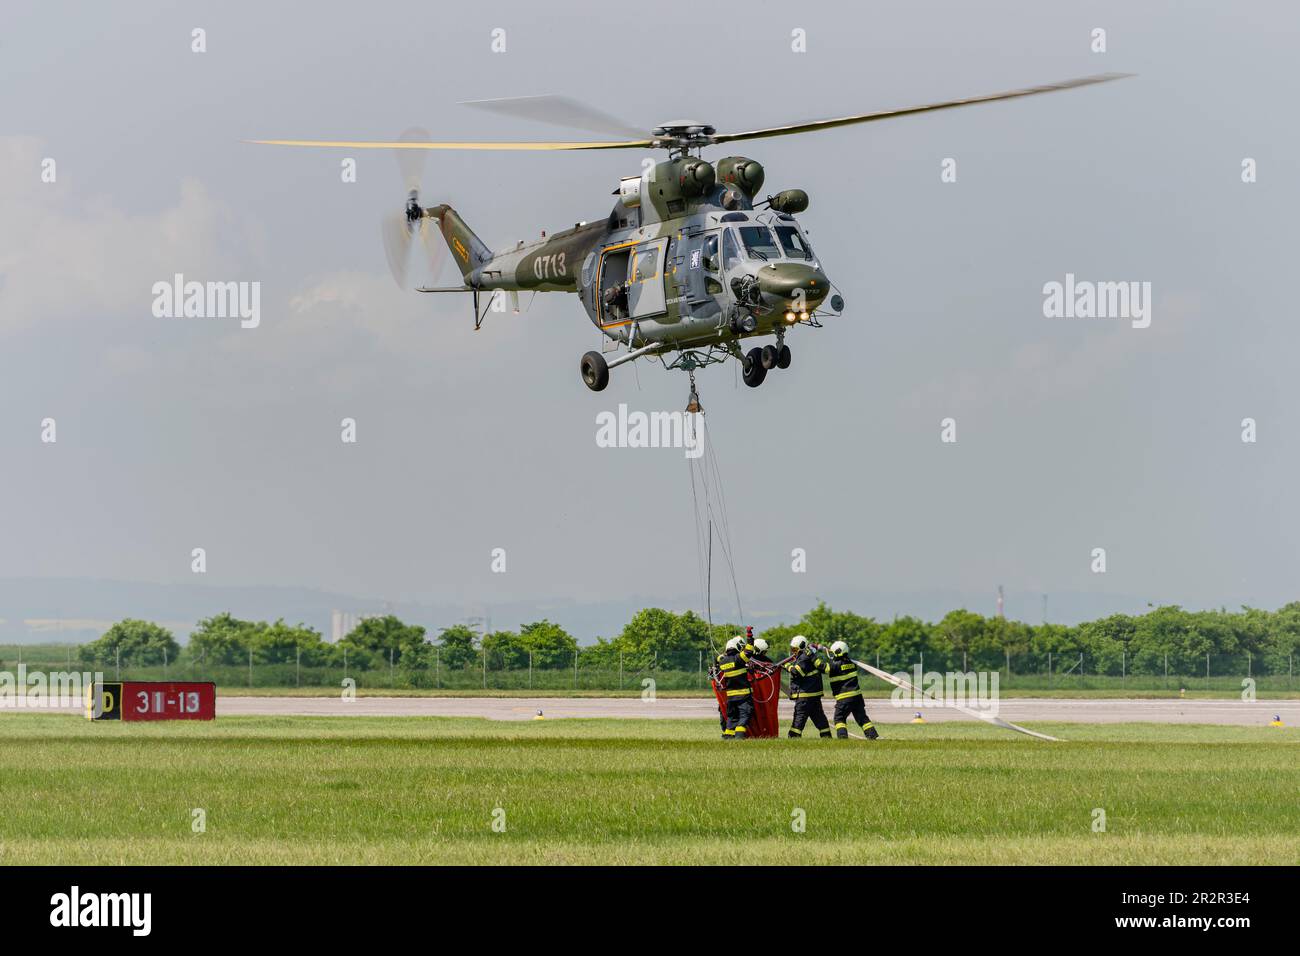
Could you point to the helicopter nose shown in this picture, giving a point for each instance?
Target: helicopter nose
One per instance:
(783, 280)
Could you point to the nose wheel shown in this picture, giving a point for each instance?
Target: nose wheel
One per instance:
(757, 362)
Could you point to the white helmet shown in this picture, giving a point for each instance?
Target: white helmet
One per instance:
(734, 643)
(761, 645)
(798, 642)
(839, 648)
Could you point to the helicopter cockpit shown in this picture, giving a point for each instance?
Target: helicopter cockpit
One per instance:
(761, 242)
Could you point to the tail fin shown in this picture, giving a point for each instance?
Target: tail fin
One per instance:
(467, 249)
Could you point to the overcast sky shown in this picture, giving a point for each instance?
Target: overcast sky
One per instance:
(1072, 434)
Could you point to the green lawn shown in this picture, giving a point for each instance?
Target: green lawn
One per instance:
(416, 790)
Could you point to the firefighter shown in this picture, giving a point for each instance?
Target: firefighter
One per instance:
(805, 668)
(847, 693)
(733, 674)
(760, 652)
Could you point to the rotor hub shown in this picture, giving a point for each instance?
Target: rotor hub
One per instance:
(683, 134)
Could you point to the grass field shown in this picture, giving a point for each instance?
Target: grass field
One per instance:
(406, 790)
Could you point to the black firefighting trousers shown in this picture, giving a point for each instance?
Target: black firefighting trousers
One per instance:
(805, 707)
(740, 711)
(856, 708)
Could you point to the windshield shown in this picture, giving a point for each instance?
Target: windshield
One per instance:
(795, 245)
(759, 243)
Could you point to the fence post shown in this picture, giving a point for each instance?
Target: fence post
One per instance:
(485, 668)
(117, 660)
(1049, 668)
(345, 663)
(1207, 667)
(390, 668)
(575, 668)
(1248, 663)
(164, 663)
(530, 670)
(1166, 668)
(620, 670)
(437, 667)
(297, 666)
(250, 665)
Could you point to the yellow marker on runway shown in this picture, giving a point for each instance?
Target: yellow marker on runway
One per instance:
(539, 716)
(1276, 721)
(918, 719)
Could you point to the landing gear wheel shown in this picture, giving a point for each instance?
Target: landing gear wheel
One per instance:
(752, 371)
(783, 357)
(595, 373)
(769, 356)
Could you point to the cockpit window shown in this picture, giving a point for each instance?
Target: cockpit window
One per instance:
(759, 243)
(795, 245)
(730, 254)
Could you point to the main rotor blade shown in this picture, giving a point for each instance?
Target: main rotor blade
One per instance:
(350, 144)
(813, 125)
(558, 110)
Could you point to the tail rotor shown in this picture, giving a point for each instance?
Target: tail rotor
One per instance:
(398, 229)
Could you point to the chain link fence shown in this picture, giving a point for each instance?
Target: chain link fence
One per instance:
(687, 671)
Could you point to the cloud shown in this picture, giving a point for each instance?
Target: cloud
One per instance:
(66, 257)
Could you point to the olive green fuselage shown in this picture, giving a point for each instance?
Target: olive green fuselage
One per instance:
(684, 259)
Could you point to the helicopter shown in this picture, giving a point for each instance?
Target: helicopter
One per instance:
(694, 259)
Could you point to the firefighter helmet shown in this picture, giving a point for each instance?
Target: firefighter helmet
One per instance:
(798, 642)
(839, 648)
(734, 643)
(761, 645)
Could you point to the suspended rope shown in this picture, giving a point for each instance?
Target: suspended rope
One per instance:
(709, 509)
(703, 557)
(720, 515)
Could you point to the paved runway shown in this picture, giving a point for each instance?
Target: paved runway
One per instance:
(1018, 710)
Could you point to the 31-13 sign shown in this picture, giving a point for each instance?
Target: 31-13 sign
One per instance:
(152, 700)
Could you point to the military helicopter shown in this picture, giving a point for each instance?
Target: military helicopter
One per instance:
(693, 260)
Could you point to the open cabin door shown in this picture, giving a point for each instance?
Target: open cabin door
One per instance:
(645, 280)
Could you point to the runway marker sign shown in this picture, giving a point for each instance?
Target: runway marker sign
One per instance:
(152, 700)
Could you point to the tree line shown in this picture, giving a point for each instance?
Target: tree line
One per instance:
(1166, 639)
